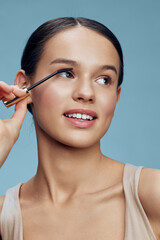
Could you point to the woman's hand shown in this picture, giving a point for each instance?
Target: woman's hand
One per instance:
(10, 128)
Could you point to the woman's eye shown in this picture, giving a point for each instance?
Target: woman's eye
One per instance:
(66, 74)
(104, 80)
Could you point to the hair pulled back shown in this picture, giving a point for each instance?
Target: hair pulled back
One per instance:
(35, 45)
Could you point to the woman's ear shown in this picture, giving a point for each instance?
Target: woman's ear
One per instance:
(22, 81)
(118, 93)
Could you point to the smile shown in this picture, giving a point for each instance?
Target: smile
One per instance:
(79, 116)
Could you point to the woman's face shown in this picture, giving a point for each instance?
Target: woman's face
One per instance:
(76, 108)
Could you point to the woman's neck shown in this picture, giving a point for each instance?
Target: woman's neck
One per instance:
(65, 171)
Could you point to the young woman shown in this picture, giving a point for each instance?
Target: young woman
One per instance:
(77, 192)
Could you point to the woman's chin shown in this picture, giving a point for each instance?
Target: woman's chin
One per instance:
(78, 143)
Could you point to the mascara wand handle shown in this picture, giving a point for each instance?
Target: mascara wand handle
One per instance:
(15, 100)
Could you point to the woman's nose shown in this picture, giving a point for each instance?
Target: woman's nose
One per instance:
(84, 91)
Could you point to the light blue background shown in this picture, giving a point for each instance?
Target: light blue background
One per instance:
(134, 135)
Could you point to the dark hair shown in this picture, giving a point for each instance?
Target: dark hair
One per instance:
(35, 45)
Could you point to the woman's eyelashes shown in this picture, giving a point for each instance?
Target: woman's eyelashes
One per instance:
(104, 80)
(66, 74)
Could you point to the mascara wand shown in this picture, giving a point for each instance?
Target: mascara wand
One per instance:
(18, 99)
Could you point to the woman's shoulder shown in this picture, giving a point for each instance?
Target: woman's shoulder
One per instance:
(149, 188)
(149, 195)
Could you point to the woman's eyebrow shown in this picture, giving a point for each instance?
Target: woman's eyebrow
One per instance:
(74, 63)
(109, 67)
(64, 60)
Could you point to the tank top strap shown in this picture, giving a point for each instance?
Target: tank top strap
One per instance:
(137, 225)
(11, 219)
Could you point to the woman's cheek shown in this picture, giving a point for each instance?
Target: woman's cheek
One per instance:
(48, 98)
(109, 105)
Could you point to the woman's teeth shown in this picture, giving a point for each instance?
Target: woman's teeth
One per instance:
(79, 116)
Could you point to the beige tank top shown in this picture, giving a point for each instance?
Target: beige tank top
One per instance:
(137, 225)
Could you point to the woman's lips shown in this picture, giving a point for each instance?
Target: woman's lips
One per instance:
(82, 111)
(81, 118)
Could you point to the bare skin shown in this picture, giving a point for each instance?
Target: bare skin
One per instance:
(77, 192)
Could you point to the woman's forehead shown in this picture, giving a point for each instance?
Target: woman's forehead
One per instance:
(81, 36)
(85, 46)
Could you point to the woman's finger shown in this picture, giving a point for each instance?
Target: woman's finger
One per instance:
(5, 87)
(20, 112)
(7, 95)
